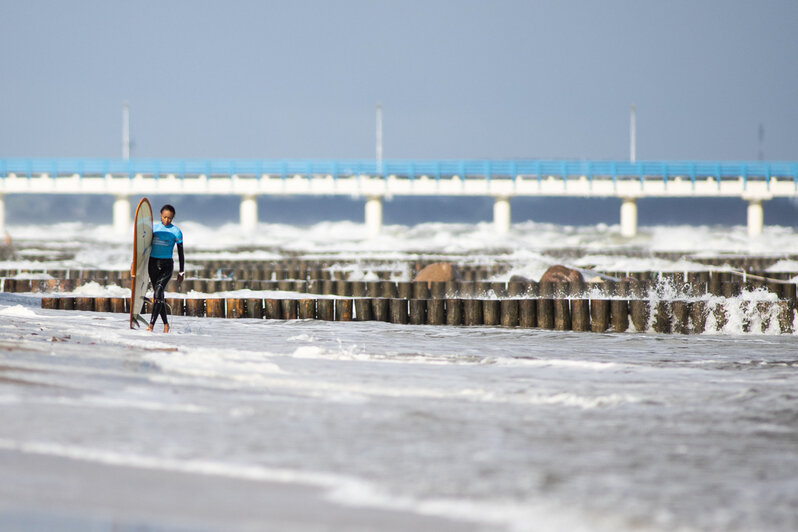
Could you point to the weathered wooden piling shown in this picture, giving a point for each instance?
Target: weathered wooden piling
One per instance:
(359, 289)
(527, 313)
(508, 310)
(50, 303)
(499, 289)
(328, 287)
(776, 288)
(119, 304)
(452, 289)
(516, 288)
(363, 309)
(404, 289)
(437, 289)
(53, 285)
(379, 309)
(272, 309)
(343, 288)
(454, 311)
(532, 289)
(66, 303)
(102, 304)
(174, 305)
(580, 315)
(68, 285)
(731, 289)
(398, 310)
(255, 308)
(680, 312)
(720, 315)
(84, 303)
(38, 285)
(436, 311)
(343, 310)
(545, 312)
(619, 315)
(420, 290)
(562, 315)
(698, 316)
(472, 312)
(599, 315)
(301, 286)
(314, 286)
(418, 310)
(786, 316)
(325, 309)
(306, 309)
(466, 289)
(663, 317)
(789, 292)
(289, 309)
(546, 289)
(214, 307)
(235, 308)
(745, 311)
(763, 309)
(639, 312)
(388, 290)
(373, 288)
(491, 314)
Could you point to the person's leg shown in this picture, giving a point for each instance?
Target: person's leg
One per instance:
(154, 271)
(166, 267)
(160, 273)
(163, 316)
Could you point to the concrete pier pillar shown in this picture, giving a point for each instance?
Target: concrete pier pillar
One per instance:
(249, 212)
(756, 217)
(122, 215)
(628, 217)
(374, 215)
(501, 214)
(2, 215)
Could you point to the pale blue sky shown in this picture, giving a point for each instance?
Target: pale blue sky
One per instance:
(457, 79)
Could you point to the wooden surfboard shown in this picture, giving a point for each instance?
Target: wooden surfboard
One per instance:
(142, 245)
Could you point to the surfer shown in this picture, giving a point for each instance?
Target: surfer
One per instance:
(164, 237)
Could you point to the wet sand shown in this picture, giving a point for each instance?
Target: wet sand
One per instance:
(41, 492)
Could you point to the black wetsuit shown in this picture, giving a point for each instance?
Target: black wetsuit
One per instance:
(160, 272)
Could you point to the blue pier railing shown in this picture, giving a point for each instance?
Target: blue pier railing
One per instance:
(406, 169)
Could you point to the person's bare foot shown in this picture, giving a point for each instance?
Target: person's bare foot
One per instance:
(149, 327)
(165, 328)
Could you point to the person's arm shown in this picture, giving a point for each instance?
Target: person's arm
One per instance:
(182, 260)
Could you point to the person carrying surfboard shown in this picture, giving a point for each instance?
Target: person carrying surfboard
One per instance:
(164, 237)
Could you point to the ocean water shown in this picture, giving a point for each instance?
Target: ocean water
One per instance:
(304, 425)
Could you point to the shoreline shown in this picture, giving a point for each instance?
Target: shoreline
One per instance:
(56, 493)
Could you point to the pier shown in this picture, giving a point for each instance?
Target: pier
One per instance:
(754, 182)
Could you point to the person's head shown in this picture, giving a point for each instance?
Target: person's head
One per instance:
(167, 214)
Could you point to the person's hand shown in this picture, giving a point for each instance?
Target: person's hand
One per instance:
(180, 277)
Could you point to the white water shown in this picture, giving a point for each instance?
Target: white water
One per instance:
(486, 428)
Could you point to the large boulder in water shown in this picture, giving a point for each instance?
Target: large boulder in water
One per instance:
(560, 274)
(438, 272)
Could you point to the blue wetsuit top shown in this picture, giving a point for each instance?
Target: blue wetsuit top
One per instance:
(164, 238)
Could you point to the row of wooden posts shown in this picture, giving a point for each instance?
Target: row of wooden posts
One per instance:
(742, 262)
(597, 315)
(438, 290)
(260, 272)
(319, 273)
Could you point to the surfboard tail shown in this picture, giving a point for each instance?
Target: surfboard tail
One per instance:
(138, 321)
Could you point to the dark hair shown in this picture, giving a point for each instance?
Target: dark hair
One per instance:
(168, 207)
